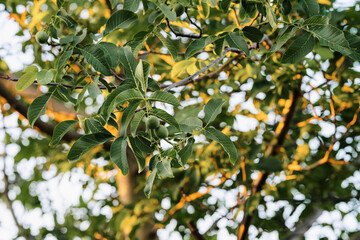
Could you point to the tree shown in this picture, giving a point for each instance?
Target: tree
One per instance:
(242, 113)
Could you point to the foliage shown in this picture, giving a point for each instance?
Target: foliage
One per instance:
(257, 100)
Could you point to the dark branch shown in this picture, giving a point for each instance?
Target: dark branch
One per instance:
(52, 84)
(194, 231)
(273, 150)
(22, 109)
(44, 127)
(178, 34)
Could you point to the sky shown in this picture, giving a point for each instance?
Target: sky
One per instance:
(65, 191)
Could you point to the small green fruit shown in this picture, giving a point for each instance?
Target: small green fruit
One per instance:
(162, 132)
(41, 37)
(179, 9)
(152, 122)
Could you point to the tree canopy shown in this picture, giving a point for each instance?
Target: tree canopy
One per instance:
(197, 119)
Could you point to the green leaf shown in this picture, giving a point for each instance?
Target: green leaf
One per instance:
(269, 164)
(299, 48)
(212, 109)
(224, 140)
(86, 143)
(169, 44)
(153, 85)
(219, 45)
(142, 72)
(113, 3)
(59, 3)
(165, 97)
(236, 41)
(193, 122)
(95, 126)
(60, 130)
(38, 107)
(166, 10)
(96, 57)
(138, 152)
(164, 168)
(112, 122)
(187, 112)
(65, 94)
(281, 40)
(270, 15)
(205, 8)
(129, 62)
(119, 19)
(45, 77)
(332, 37)
(71, 23)
(354, 42)
(27, 78)
(311, 7)
(224, 5)
(127, 116)
(64, 58)
(164, 116)
(316, 20)
(111, 53)
(136, 121)
(253, 34)
(197, 45)
(185, 153)
(81, 97)
(149, 183)
(181, 66)
(118, 154)
(109, 103)
(127, 96)
(131, 5)
(143, 144)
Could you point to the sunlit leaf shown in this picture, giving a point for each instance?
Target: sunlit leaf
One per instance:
(212, 109)
(27, 78)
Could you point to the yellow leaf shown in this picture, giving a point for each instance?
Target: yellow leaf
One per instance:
(181, 66)
(347, 89)
(302, 151)
(325, 2)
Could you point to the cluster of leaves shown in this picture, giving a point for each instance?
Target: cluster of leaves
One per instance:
(108, 58)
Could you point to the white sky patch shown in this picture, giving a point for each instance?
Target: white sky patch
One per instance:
(244, 124)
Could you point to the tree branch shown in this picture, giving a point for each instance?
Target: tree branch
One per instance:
(194, 230)
(272, 150)
(191, 78)
(7, 77)
(22, 109)
(183, 34)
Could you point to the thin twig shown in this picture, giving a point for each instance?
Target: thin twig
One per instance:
(117, 76)
(273, 149)
(178, 34)
(191, 78)
(194, 230)
(7, 77)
